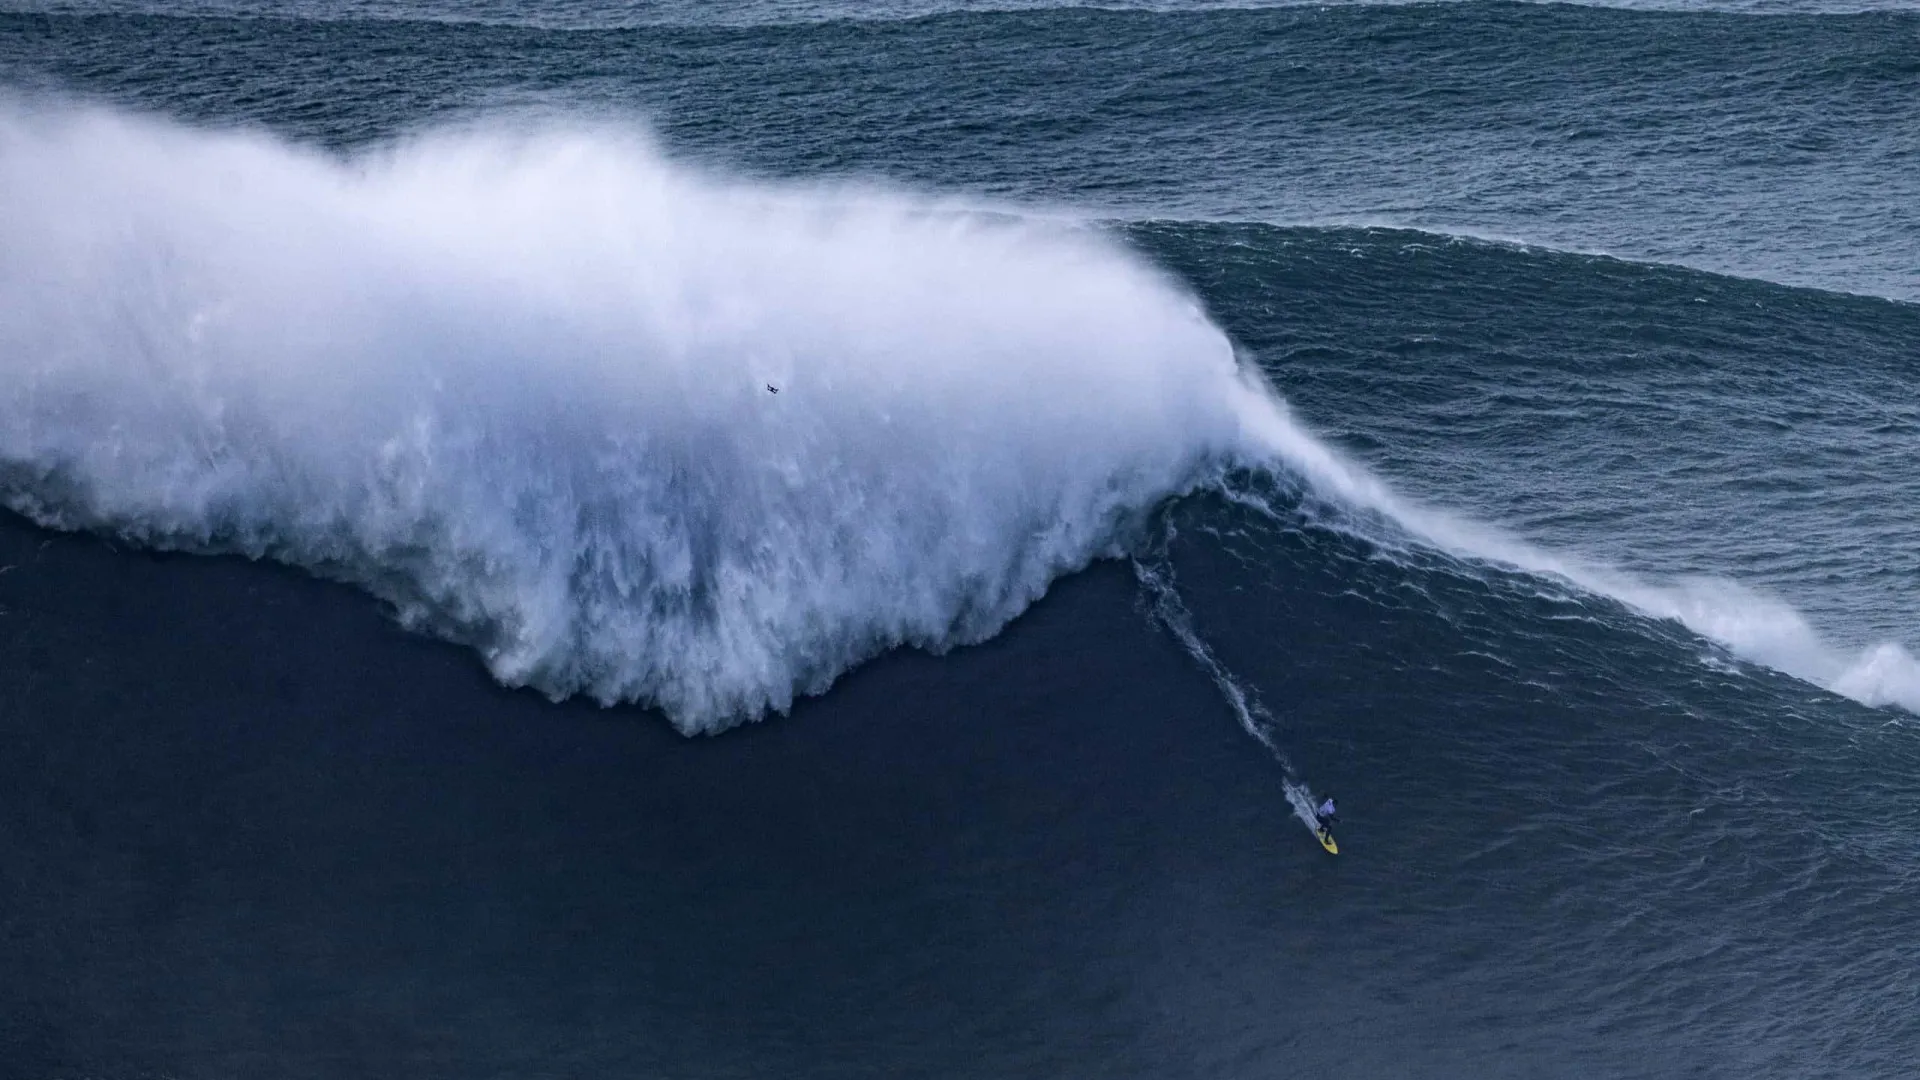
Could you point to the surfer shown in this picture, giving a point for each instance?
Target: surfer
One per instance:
(1325, 815)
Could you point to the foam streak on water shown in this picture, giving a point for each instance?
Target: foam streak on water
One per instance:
(1157, 584)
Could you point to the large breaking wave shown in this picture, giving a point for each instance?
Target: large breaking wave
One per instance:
(521, 384)
(637, 433)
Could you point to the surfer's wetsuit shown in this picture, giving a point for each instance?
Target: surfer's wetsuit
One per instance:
(1325, 814)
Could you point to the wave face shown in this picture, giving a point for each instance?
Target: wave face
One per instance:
(519, 386)
(1745, 449)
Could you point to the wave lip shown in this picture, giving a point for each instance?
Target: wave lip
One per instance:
(1755, 627)
(520, 385)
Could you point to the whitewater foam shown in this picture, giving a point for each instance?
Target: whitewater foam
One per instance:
(515, 382)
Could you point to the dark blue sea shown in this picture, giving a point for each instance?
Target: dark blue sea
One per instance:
(833, 539)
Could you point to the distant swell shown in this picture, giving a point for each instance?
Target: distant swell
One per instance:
(517, 384)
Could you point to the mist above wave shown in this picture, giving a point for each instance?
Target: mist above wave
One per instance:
(521, 384)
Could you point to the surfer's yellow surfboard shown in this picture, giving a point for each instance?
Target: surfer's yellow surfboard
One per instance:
(1325, 836)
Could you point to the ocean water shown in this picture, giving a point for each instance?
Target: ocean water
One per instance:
(825, 539)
